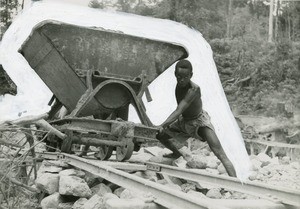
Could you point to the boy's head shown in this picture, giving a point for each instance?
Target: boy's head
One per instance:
(183, 72)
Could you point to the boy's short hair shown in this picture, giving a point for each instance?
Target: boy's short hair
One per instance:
(183, 64)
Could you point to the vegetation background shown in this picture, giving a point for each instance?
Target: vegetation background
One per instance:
(260, 73)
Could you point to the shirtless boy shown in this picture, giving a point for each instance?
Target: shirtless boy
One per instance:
(189, 118)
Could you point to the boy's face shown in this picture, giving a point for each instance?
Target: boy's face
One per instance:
(183, 76)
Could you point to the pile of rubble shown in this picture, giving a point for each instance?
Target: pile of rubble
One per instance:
(70, 188)
(67, 188)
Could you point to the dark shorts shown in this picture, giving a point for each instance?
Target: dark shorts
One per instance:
(182, 129)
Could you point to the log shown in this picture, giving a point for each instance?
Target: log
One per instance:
(275, 126)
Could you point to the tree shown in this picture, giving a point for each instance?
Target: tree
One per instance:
(8, 8)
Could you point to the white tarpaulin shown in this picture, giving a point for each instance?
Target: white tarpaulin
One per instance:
(33, 95)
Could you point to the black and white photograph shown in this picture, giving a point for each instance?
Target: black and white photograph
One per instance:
(149, 104)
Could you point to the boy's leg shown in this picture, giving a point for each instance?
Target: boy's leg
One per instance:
(215, 145)
(164, 138)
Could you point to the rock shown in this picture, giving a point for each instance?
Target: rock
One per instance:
(187, 187)
(124, 204)
(212, 171)
(275, 161)
(73, 185)
(180, 162)
(127, 194)
(227, 195)
(214, 193)
(48, 182)
(162, 181)
(154, 151)
(141, 157)
(186, 153)
(119, 191)
(212, 162)
(52, 201)
(101, 189)
(197, 162)
(295, 165)
(252, 176)
(221, 169)
(72, 172)
(264, 159)
(285, 160)
(264, 171)
(95, 202)
(108, 196)
(92, 179)
(79, 203)
(255, 164)
(66, 205)
(197, 194)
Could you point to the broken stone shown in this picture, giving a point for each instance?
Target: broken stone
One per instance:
(264, 171)
(212, 162)
(264, 159)
(52, 201)
(285, 160)
(252, 176)
(101, 189)
(119, 191)
(180, 162)
(127, 194)
(79, 203)
(72, 172)
(73, 185)
(141, 157)
(154, 151)
(214, 193)
(95, 202)
(66, 205)
(92, 179)
(186, 187)
(295, 165)
(222, 169)
(125, 204)
(108, 196)
(48, 182)
(162, 181)
(255, 164)
(197, 162)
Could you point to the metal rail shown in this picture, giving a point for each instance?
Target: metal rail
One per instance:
(164, 196)
(285, 195)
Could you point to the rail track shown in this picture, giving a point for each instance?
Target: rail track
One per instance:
(115, 172)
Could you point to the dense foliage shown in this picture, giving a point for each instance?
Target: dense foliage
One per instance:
(257, 75)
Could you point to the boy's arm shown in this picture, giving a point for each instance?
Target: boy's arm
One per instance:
(182, 106)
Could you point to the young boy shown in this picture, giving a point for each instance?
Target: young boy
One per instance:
(189, 118)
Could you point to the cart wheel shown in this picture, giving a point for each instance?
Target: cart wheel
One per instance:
(104, 152)
(125, 152)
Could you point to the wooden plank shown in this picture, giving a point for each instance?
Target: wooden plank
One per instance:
(274, 144)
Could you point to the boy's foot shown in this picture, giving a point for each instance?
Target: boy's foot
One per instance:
(172, 155)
